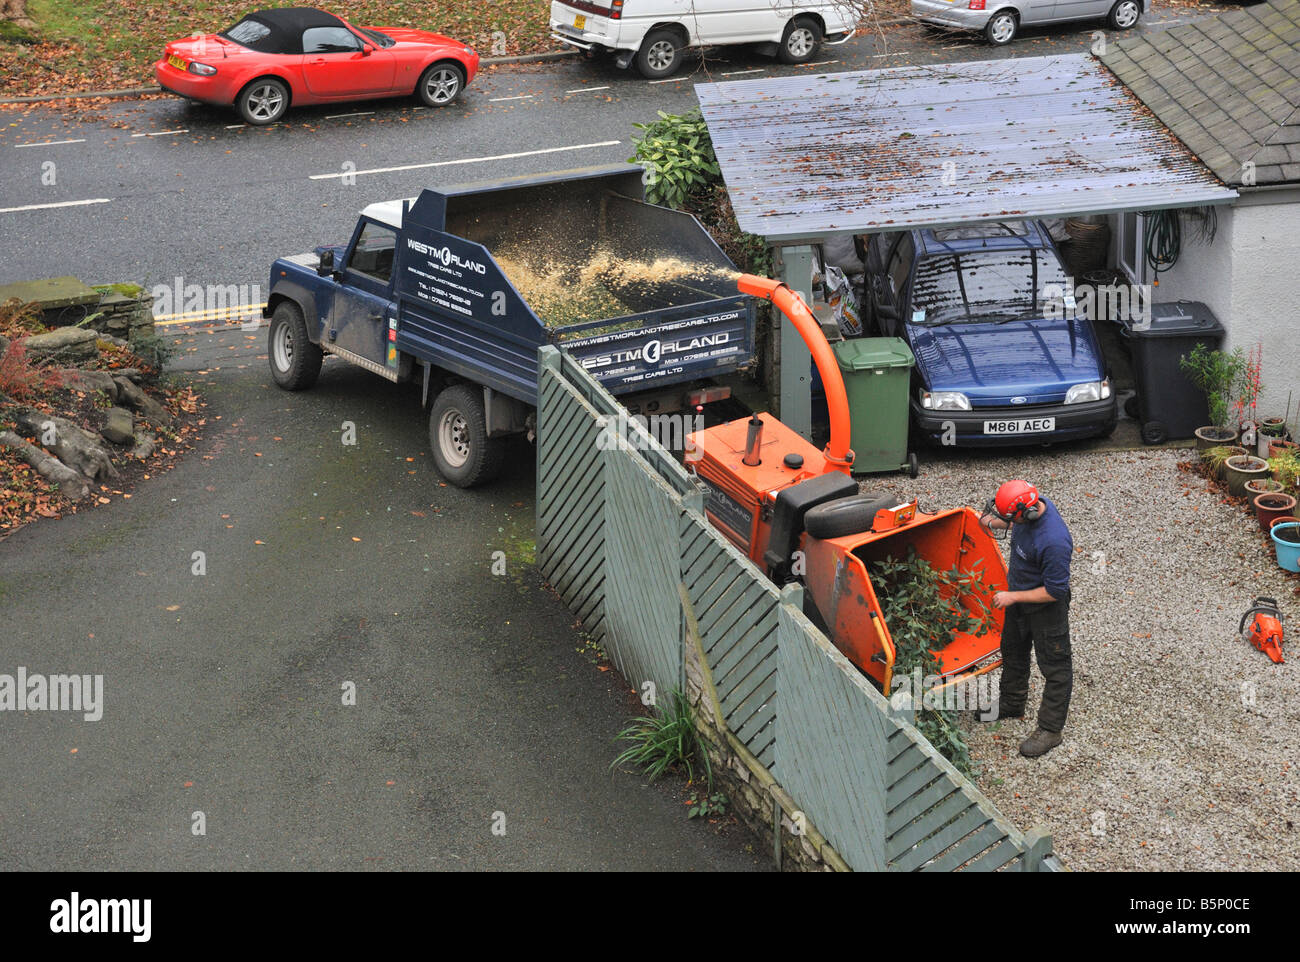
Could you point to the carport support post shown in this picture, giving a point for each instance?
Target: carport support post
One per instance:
(794, 267)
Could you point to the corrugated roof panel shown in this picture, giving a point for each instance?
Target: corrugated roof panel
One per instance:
(944, 144)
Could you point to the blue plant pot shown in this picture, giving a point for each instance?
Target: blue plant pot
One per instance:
(1288, 552)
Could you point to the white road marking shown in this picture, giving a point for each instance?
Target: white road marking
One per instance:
(737, 73)
(466, 160)
(235, 126)
(66, 203)
(820, 63)
(52, 143)
(583, 90)
(669, 80)
(163, 133)
(497, 100)
(359, 113)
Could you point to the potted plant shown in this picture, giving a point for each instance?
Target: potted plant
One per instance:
(1286, 542)
(1269, 507)
(1271, 431)
(1239, 469)
(1216, 457)
(1285, 468)
(1246, 390)
(1262, 486)
(1216, 373)
(1278, 445)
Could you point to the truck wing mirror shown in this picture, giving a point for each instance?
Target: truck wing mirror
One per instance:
(326, 266)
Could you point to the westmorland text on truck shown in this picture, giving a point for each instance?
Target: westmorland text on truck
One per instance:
(417, 292)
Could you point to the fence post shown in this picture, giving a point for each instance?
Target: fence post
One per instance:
(1038, 845)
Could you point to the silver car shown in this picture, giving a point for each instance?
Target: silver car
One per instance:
(1000, 20)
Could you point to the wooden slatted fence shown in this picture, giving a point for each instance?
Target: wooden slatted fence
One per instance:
(620, 525)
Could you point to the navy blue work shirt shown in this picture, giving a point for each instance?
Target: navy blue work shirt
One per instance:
(1040, 554)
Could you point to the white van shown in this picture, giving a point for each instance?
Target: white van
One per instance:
(654, 33)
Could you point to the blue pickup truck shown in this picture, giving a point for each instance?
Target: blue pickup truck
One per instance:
(419, 292)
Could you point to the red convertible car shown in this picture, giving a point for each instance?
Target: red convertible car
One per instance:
(300, 55)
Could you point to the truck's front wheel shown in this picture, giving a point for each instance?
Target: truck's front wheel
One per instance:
(458, 434)
(295, 360)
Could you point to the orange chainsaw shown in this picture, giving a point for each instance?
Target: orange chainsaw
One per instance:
(1265, 631)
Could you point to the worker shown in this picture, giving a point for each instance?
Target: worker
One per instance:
(1037, 611)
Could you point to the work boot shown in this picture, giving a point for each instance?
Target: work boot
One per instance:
(996, 712)
(1039, 743)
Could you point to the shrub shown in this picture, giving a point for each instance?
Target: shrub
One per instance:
(1219, 374)
(677, 154)
(20, 379)
(663, 742)
(922, 607)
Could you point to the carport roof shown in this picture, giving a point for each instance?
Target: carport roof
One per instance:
(944, 144)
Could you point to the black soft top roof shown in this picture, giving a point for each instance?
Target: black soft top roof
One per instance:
(286, 25)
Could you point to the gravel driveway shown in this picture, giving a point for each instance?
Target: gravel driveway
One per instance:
(1181, 739)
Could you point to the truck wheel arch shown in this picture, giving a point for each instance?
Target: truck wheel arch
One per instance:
(672, 26)
(303, 301)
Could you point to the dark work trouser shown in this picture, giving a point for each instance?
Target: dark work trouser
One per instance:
(1044, 628)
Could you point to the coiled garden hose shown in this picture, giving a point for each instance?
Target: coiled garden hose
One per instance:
(1164, 240)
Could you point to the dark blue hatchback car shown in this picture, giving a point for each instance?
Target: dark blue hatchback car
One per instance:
(1002, 356)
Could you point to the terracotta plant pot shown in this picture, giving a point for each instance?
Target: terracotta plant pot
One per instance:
(1277, 445)
(1262, 486)
(1269, 507)
(1213, 437)
(1239, 469)
(1284, 519)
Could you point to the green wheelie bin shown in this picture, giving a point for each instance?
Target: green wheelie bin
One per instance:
(877, 372)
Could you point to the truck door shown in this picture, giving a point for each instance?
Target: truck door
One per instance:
(363, 311)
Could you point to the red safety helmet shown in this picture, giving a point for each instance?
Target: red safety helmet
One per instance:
(1018, 501)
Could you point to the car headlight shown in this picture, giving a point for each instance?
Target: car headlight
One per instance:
(1089, 391)
(944, 401)
(202, 69)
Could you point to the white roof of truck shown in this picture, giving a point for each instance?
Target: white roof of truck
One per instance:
(388, 211)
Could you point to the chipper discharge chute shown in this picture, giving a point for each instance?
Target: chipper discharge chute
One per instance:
(798, 514)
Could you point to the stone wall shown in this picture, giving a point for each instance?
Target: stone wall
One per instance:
(125, 317)
(755, 797)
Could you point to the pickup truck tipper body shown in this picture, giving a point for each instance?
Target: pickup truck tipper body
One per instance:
(417, 291)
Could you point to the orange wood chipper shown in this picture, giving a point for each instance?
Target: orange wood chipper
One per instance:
(798, 514)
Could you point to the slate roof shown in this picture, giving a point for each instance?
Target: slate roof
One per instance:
(1228, 87)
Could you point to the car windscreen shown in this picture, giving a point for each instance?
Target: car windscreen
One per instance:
(253, 34)
(978, 286)
(383, 39)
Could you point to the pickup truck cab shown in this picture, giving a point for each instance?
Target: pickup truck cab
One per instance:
(656, 33)
(418, 291)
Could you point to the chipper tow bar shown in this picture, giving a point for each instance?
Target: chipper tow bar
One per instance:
(797, 513)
